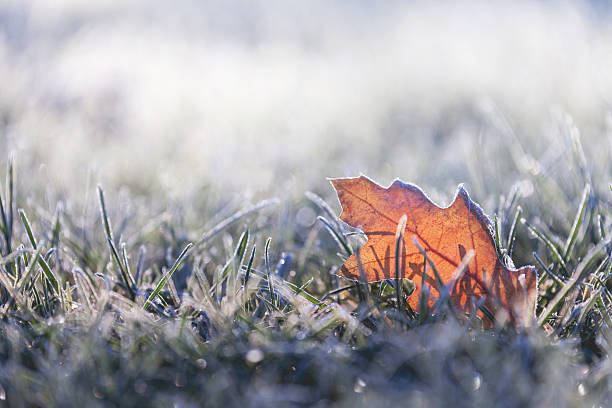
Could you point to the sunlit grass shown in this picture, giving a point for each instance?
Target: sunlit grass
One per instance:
(199, 303)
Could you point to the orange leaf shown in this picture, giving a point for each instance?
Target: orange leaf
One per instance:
(446, 235)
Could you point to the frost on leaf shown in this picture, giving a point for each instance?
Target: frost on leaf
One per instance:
(446, 235)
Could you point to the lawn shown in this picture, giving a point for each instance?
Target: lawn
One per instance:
(169, 236)
(196, 303)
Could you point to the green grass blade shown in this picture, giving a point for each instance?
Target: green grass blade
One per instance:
(424, 304)
(497, 235)
(30, 268)
(10, 201)
(337, 291)
(249, 266)
(604, 312)
(41, 260)
(301, 292)
(104, 214)
(447, 290)
(512, 233)
(49, 274)
(571, 239)
(550, 273)
(570, 284)
(4, 226)
(28, 228)
(441, 284)
(241, 248)
(268, 269)
(430, 262)
(126, 263)
(399, 246)
(127, 278)
(552, 247)
(164, 280)
(56, 228)
(117, 261)
(336, 235)
(589, 305)
(236, 259)
(140, 265)
(322, 204)
(485, 311)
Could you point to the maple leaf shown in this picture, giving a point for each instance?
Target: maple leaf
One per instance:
(447, 236)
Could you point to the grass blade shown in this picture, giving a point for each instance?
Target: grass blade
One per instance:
(128, 271)
(26, 224)
(441, 284)
(241, 248)
(268, 270)
(589, 305)
(553, 275)
(553, 249)
(164, 280)
(49, 274)
(570, 284)
(10, 203)
(118, 264)
(4, 226)
(140, 265)
(322, 204)
(497, 235)
(30, 268)
(235, 260)
(301, 292)
(127, 277)
(337, 236)
(57, 226)
(571, 239)
(512, 233)
(41, 260)
(104, 214)
(399, 246)
(249, 265)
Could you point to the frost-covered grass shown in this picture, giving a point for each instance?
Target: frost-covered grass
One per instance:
(105, 301)
(216, 124)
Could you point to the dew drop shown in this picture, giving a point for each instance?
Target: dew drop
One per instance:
(179, 381)
(359, 386)
(581, 389)
(254, 356)
(477, 381)
(2, 393)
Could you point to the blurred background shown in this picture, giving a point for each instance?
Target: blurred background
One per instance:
(270, 98)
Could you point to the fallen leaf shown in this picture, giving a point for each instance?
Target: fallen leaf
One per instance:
(447, 236)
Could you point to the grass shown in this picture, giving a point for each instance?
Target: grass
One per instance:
(130, 307)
